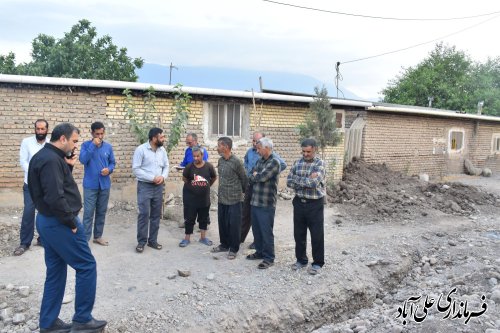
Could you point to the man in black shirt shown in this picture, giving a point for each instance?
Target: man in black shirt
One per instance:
(58, 201)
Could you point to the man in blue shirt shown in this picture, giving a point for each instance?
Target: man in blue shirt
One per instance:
(251, 158)
(191, 141)
(99, 162)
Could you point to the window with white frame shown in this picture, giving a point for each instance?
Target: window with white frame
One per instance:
(456, 140)
(495, 143)
(226, 119)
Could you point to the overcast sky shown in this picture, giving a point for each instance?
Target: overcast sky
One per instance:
(259, 35)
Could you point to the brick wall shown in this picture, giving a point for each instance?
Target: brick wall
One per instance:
(21, 105)
(416, 144)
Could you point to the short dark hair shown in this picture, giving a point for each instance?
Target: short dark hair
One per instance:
(194, 136)
(226, 141)
(309, 142)
(96, 125)
(63, 129)
(154, 132)
(40, 121)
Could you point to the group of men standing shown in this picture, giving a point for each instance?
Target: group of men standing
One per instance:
(247, 197)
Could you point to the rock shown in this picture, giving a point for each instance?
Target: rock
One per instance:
(338, 221)
(470, 169)
(172, 276)
(486, 172)
(493, 282)
(433, 261)
(495, 296)
(183, 273)
(452, 243)
(423, 177)
(6, 314)
(111, 205)
(18, 318)
(211, 277)
(169, 198)
(129, 207)
(24, 291)
(492, 330)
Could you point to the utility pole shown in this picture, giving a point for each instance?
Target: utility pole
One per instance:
(170, 77)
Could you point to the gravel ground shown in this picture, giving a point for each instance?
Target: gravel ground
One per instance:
(418, 245)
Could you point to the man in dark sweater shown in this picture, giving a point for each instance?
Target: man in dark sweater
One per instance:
(58, 201)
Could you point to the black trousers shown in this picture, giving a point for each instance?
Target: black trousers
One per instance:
(229, 217)
(190, 215)
(246, 216)
(309, 214)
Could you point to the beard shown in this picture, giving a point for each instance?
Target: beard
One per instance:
(159, 144)
(40, 137)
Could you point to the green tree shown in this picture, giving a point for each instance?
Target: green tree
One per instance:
(320, 121)
(451, 79)
(80, 54)
(8, 64)
(141, 121)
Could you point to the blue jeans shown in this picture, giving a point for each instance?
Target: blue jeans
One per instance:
(28, 220)
(95, 205)
(63, 248)
(149, 200)
(262, 228)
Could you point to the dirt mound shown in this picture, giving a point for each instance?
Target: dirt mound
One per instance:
(393, 194)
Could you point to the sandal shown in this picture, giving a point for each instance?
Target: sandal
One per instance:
(206, 241)
(155, 246)
(298, 265)
(265, 264)
(184, 243)
(231, 255)
(219, 248)
(101, 241)
(139, 248)
(20, 250)
(254, 256)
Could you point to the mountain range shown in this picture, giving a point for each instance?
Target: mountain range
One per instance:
(235, 79)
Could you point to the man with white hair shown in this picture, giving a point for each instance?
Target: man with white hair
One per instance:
(264, 182)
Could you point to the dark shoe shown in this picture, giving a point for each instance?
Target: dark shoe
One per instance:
(155, 245)
(58, 326)
(219, 248)
(254, 256)
(265, 264)
(93, 326)
(20, 250)
(139, 248)
(39, 242)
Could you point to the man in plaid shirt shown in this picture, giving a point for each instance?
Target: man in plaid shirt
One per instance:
(264, 181)
(307, 178)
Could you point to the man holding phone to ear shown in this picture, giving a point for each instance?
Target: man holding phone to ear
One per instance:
(98, 160)
(58, 201)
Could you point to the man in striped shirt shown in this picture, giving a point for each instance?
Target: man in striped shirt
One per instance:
(307, 178)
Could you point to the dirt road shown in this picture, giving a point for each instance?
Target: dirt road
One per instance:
(374, 263)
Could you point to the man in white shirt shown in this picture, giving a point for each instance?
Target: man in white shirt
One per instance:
(150, 167)
(29, 147)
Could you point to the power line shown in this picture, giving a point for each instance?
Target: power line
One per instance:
(381, 17)
(420, 44)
